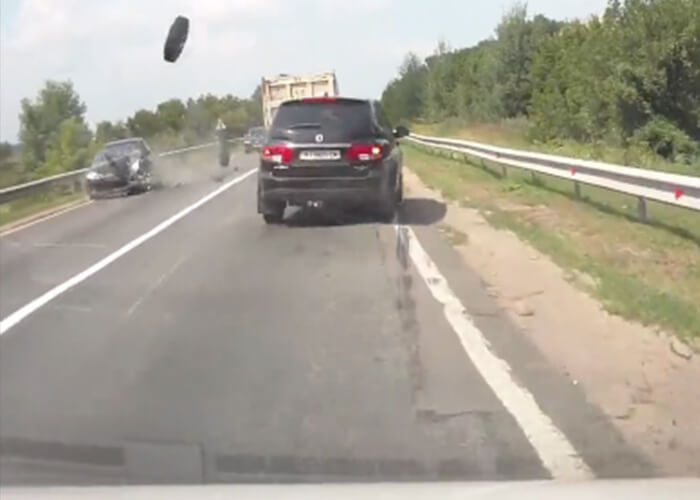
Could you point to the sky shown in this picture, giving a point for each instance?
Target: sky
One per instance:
(112, 50)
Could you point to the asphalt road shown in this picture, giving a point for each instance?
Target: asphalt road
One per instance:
(222, 349)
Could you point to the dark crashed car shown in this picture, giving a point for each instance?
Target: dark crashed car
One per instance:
(121, 168)
(331, 151)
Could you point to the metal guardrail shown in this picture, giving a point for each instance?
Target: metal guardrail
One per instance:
(673, 189)
(74, 177)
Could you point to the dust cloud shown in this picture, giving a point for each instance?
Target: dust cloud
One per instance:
(191, 168)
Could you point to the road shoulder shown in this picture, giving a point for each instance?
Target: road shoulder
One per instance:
(625, 369)
(42, 215)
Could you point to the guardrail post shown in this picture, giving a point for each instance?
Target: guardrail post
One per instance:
(533, 177)
(504, 171)
(577, 190)
(642, 209)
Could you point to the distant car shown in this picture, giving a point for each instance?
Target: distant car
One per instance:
(254, 139)
(121, 167)
(332, 150)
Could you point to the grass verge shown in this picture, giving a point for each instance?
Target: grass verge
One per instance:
(25, 207)
(645, 272)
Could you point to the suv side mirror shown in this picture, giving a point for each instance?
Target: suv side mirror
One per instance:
(401, 131)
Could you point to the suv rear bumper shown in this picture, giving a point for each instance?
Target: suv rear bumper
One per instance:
(294, 190)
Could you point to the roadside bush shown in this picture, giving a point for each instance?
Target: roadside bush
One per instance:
(667, 140)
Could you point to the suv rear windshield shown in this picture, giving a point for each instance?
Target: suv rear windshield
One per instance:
(342, 119)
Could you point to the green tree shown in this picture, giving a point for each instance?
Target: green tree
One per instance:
(403, 99)
(478, 96)
(632, 76)
(518, 39)
(440, 83)
(69, 150)
(198, 121)
(144, 123)
(41, 119)
(107, 131)
(171, 114)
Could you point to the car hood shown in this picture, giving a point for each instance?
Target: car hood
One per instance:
(139, 468)
(678, 489)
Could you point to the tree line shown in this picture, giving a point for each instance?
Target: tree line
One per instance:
(55, 136)
(629, 77)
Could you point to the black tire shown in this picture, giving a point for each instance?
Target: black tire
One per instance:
(273, 218)
(386, 210)
(272, 211)
(175, 41)
(224, 159)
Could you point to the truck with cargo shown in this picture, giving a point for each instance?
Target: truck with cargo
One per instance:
(278, 89)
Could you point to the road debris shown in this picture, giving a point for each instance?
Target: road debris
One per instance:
(680, 348)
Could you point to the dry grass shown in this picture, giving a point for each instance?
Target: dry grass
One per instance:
(25, 207)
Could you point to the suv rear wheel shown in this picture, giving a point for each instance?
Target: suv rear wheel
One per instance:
(386, 208)
(272, 211)
(273, 217)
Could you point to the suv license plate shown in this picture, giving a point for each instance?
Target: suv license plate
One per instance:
(319, 155)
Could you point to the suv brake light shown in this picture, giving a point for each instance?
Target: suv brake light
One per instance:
(277, 153)
(364, 152)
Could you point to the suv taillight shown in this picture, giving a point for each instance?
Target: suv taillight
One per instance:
(364, 152)
(277, 153)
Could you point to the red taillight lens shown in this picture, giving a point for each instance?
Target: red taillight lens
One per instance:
(364, 152)
(277, 153)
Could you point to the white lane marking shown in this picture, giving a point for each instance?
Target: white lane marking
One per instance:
(551, 445)
(137, 303)
(26, 310)
(45, 218)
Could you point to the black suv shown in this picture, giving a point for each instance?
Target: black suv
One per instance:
(334, 151)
